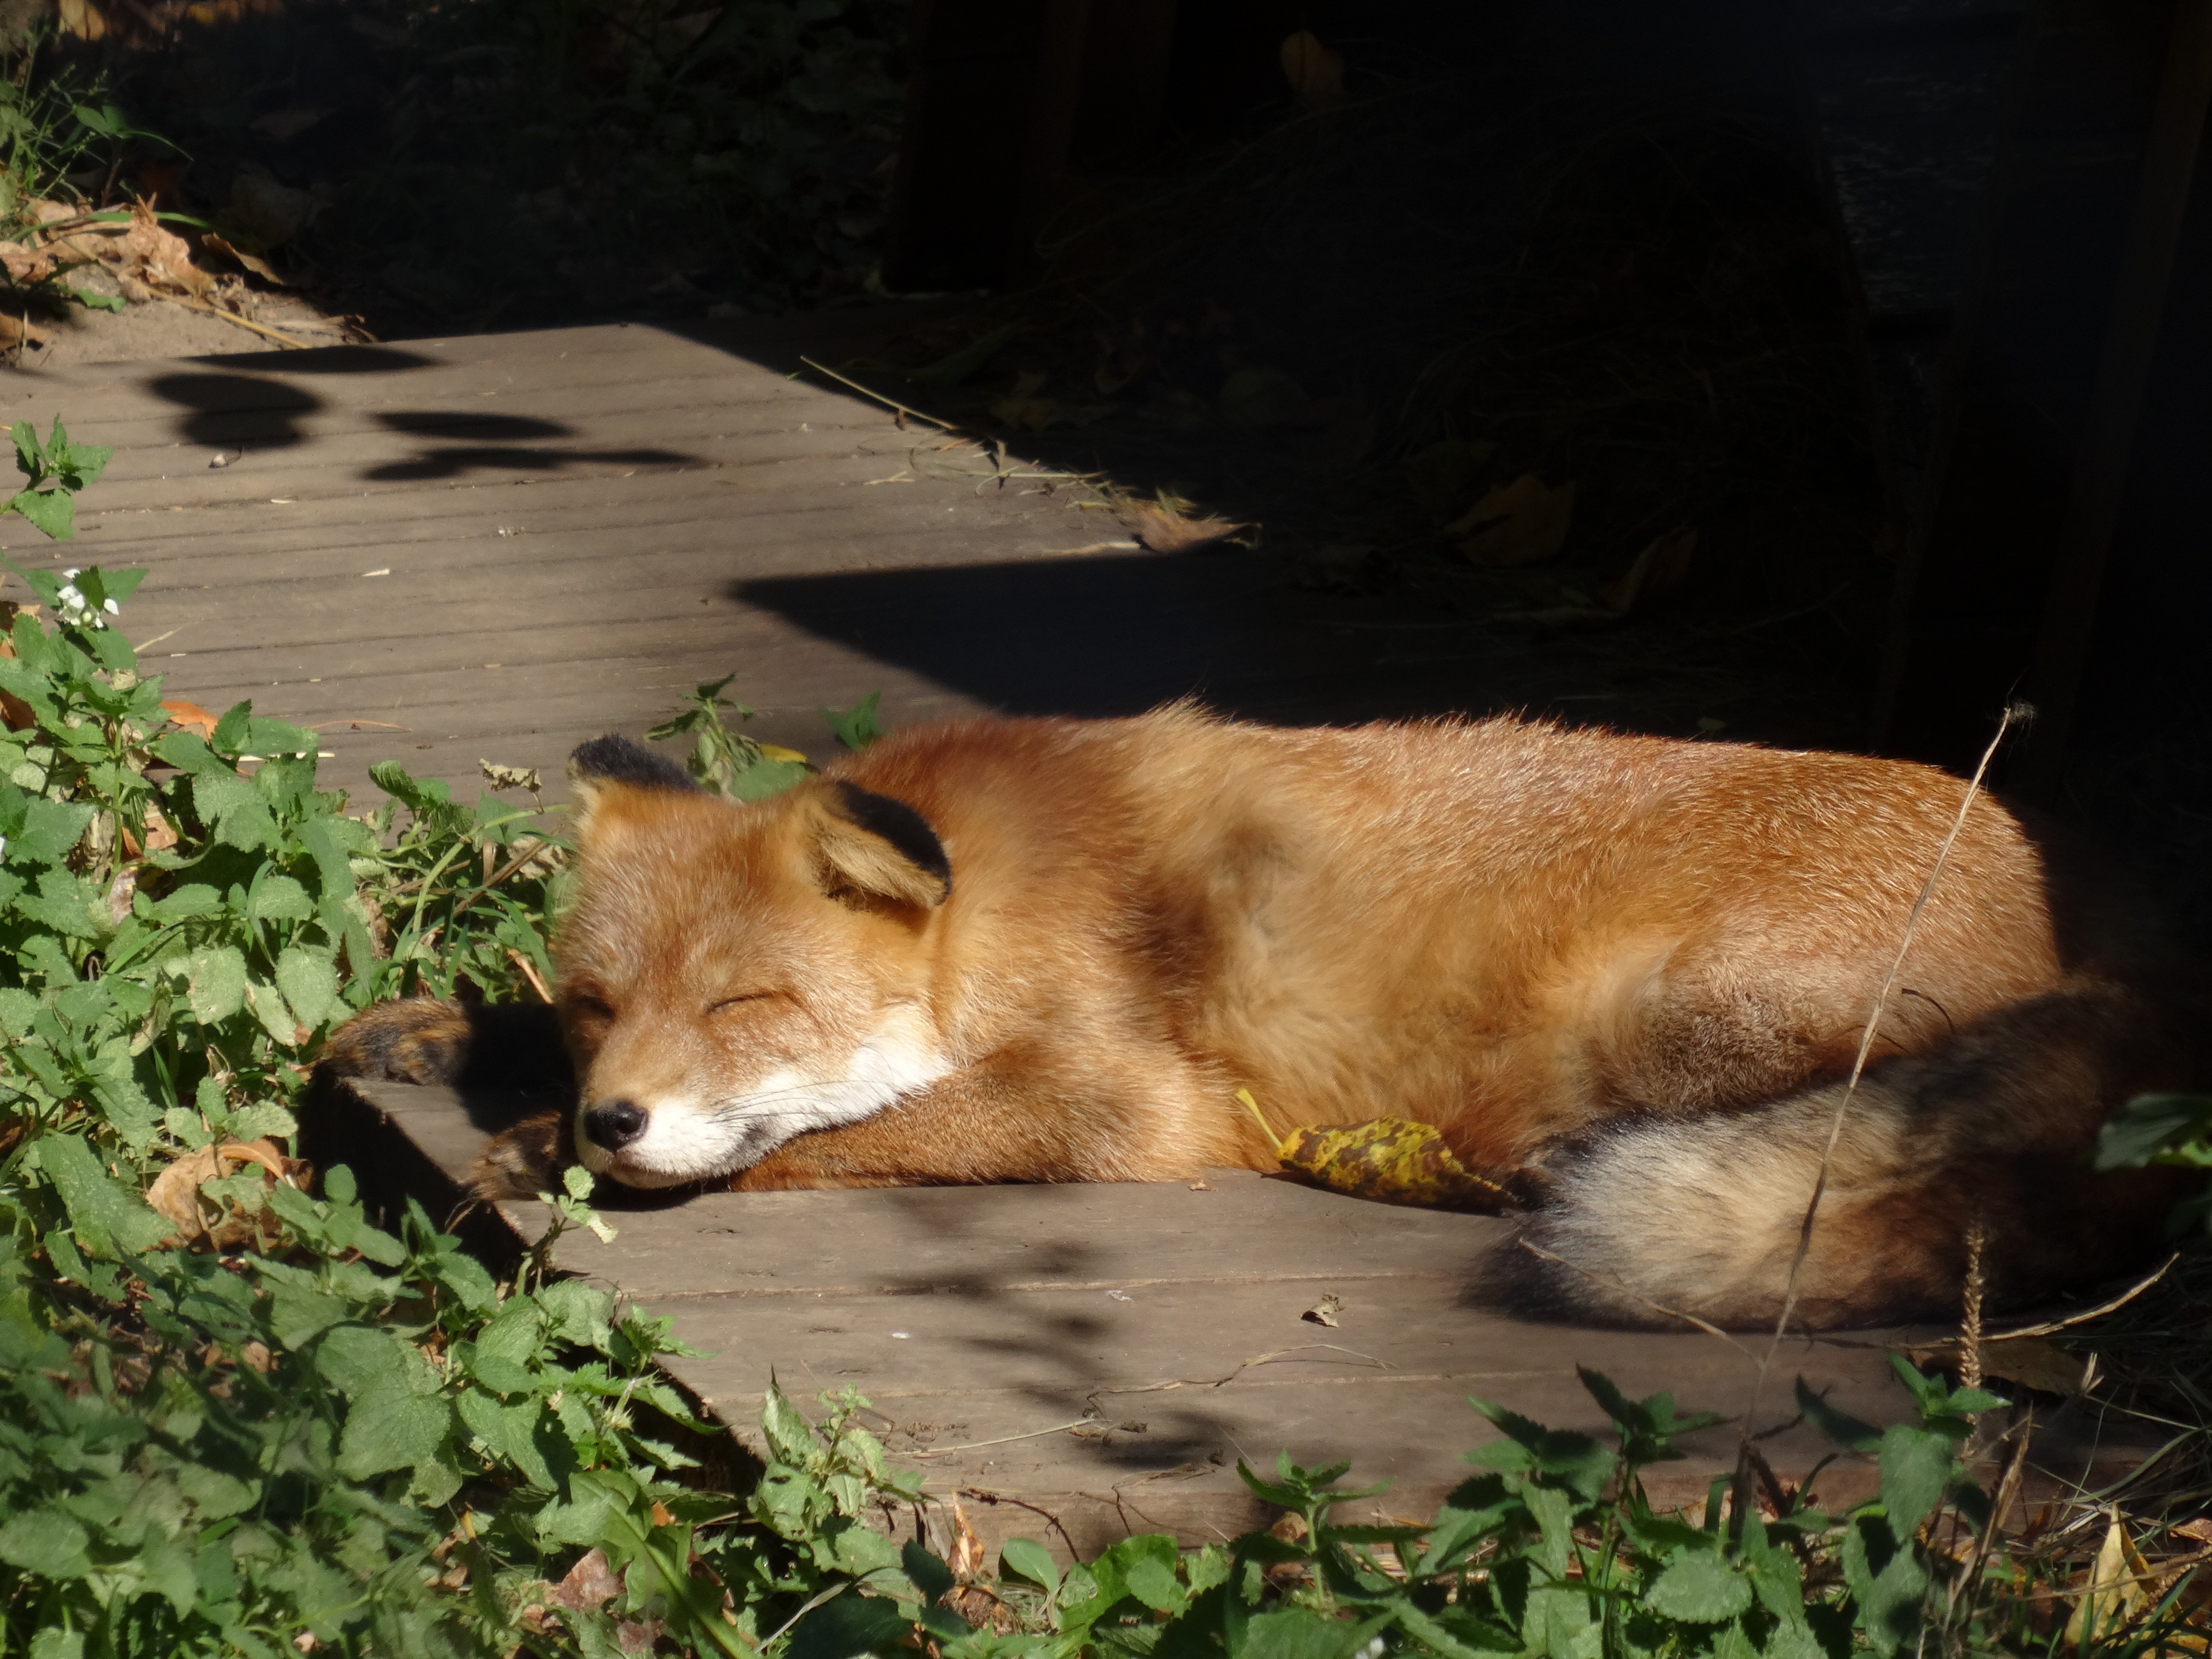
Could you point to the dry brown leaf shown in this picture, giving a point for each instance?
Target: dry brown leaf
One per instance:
(1520, 523)
(2035, 1361)
(25, 265)
(525, 777)
(588, 1584)
(969, 1598)
(1164, 531)
(190, 716)
(161, 258)
(245, 261)
(2112, 1590)
(966, 1556)
(1324, 1312)
(176, 1194)
(1316, 73)
(1662, 567)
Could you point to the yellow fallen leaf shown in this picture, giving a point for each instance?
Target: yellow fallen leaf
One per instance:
(1393, 1160)
(2114, 1589)
(1519, 522)
(777, 751)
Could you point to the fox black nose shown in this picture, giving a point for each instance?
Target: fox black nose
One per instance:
(615, 1125)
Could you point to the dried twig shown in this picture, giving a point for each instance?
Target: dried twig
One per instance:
(247, 323)
(888, 403)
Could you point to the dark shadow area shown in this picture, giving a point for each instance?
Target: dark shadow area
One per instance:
(1118, 633)
(449, 462)
(230, 409)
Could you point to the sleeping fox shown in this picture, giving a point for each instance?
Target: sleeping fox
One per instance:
(1625, 978)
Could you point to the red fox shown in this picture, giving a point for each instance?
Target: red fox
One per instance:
(1624, 976)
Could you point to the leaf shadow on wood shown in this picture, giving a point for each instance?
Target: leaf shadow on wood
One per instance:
(253, 403)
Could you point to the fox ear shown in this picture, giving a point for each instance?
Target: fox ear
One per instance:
(617, 761)
(869, 844)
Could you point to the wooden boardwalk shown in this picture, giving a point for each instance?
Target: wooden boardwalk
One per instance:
(492, 548)
(1078, 1363)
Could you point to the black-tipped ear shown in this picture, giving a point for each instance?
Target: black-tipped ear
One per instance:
(615, 759)
(872, 844)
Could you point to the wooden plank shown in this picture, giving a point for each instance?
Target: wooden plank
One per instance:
(1076, 1362)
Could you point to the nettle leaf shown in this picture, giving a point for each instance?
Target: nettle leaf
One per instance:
(2149, 1125)
(229, 737)
(192, 899)
(215, 982)
(309, 980)
(1700, 1588)
(360, 1361)
(279, 898)
(233, 810)
(298, 1315)
(388, 1431)
(1024, 1557)
(48, 1542)
(18, 1009)
(1916, 1467)
(53, 511)
(274, 1014)
(50, 828)
(108, 1217)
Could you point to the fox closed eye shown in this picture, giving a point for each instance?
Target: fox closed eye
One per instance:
(740, 998)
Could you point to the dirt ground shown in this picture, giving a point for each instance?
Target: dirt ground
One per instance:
(166, 328)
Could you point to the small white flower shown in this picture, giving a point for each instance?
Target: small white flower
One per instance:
(111, 607)
(70, 575)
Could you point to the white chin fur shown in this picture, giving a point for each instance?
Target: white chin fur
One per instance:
(687, 1140)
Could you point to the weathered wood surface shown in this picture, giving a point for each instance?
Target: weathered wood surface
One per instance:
(1078, 1362)
(495, 547)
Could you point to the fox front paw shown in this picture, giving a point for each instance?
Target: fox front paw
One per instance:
(416, 1040)
(524, 1159)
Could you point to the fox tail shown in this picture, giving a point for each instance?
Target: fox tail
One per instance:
(1656, 1217)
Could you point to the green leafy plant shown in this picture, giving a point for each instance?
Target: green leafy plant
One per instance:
(723, 759)
(2174, 1130)
(734, 764)
(53, 471)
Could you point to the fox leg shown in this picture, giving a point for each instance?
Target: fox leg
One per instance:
(1012, 1118)
(513, 1046)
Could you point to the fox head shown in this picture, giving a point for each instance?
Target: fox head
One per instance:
(733, 975)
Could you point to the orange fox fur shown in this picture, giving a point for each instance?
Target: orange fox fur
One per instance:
(1623, 975)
